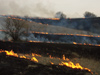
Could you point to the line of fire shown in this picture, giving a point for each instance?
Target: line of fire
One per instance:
(51, 53)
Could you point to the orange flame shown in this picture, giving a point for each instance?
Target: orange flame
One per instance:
(35, 41)
(34, 59)
(11, 53)
(65, 34)
(23, 57)
(64, 57)
(33, 54)
(57, 33)
(68, 64)
(71, 64)
(77, 66)
(74, 43)
(51, 62)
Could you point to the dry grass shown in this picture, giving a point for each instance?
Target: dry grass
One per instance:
(92, 64)
(89, 63)
(50, 28)
(57, 29)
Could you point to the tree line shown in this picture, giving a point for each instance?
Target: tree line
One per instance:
(86, 15)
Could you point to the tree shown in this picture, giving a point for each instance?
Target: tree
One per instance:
(16, 28)
(89, 15)
(60, 15)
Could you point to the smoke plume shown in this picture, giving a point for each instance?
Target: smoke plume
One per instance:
(35, 8)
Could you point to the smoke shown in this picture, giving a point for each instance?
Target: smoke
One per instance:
(35, 8)
(64, 39)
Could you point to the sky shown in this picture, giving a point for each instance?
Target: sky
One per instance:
(48, 8)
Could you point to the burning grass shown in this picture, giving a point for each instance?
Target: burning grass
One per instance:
(51, 54)
(57, 30)
(67, 64)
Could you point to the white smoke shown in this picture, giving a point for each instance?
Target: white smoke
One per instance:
(35, 8)
(64, 39)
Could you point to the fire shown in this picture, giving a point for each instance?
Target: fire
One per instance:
(77, 66)
(74, 43)
(52, 63)
(54, 18)
(55, 33)
(65, 34)
(35, 41)
(11, 53)
(34, 59)
(23, 57)
(51, 57)
(64, 57)
(85, 44)
(71, 64)
(33, 54)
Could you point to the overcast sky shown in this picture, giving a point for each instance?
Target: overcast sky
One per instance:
(48, 8)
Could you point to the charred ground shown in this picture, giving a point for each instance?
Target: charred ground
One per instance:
(17, 66)
(54, 49)
(13, 65)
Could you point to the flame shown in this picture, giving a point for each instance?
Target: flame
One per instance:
(68, 64)
(71, 64)
(77, 66)
(85, 44)
(54, 18)
(64, 57)
(34, 59)
(74, 43)
(52, 63)
(33, 54)
(23, 57)
(65, 34)
(11, 53)
(35, 41)
(55, 33)
(50, 56)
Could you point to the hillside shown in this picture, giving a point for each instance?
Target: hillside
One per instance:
(51, 28)
(38, 27)
(86, 24)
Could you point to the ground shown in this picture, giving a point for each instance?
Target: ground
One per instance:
(87, 56)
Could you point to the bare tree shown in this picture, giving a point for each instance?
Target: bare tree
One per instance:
(89, 15)
(60, 15)
(16, 28)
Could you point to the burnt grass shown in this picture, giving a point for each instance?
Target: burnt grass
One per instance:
(10, 65)
(54, 49)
